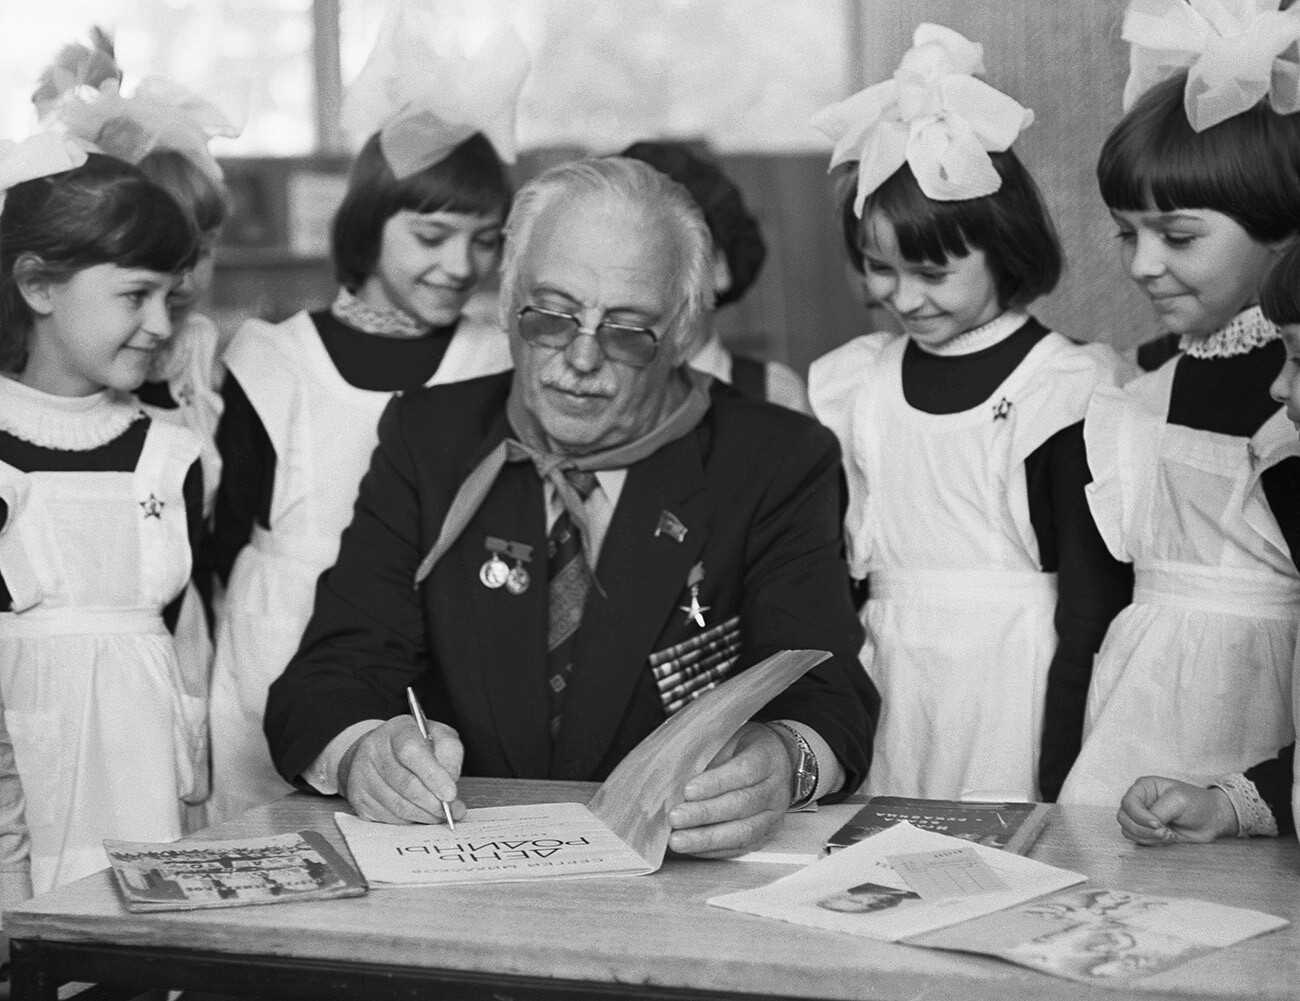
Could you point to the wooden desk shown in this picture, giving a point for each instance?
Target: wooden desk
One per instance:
(635, 937)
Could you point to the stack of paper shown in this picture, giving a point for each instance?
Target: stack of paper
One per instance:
(901, 882)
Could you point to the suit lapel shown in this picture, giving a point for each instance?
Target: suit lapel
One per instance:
(643, 573)
(508, 630)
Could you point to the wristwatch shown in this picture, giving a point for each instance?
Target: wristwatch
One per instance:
(803, 783)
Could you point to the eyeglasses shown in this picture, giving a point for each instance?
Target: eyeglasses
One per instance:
(622, 342)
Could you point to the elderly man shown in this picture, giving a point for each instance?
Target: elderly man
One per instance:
(711, 524)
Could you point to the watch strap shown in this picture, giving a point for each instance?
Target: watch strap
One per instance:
(804, 782)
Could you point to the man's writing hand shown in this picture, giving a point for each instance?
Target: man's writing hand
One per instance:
(394, 775)
(739, 801)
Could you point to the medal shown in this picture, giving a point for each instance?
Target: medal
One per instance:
(518, 579)
(494, 572)
(695, 611)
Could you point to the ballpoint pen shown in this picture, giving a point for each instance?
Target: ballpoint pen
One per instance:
(423, 724)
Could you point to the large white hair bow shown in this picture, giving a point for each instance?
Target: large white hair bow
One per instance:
(159, 114)
(425, 101)
(933, 115)
(1234, 51)
(39, 155)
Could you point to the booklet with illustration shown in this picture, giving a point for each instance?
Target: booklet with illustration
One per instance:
(623, 830)
(1103, 936)
(271, 870)
(1009, 826)
(900, 882)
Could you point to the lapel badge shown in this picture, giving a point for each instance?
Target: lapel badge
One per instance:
(695, 611)
(1002, 409)
(671, 526)
(518, 579)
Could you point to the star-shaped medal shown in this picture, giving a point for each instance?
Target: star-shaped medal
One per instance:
(153, 507)
(695, 611)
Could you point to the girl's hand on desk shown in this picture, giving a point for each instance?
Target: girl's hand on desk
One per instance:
(1161, 811)
(395, 776)
(738, 802)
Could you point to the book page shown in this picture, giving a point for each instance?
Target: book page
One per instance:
(801, 838)
(1103, 936)
(492, 844)
(860, 890)
(636, 798)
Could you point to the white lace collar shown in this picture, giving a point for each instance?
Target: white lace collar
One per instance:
(69, 423)
(978, 338)
(369, 319)
(1246, 331)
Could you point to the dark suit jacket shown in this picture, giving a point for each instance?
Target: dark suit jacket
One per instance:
(757, 489)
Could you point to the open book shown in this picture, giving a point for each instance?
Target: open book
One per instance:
(623, 831)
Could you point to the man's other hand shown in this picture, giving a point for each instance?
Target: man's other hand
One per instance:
(739, 801)
(394, 775)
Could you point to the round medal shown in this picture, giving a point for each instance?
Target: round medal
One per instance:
(493, 572)
(517, 580)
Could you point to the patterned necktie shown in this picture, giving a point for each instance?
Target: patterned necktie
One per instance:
(570, 580)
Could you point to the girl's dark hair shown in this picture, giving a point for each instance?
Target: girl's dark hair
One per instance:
(470, 179)
(194, 190)
(1011, 226)
(1279, 296)
(733, 227)
(103, 212)
(1247, 167)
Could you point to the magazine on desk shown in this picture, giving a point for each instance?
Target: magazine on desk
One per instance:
(270, 870)
(1100, 936)
(1012, 827)
(623, 830)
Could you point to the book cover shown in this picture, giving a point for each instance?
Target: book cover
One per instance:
(1009, 826)
(271, 870)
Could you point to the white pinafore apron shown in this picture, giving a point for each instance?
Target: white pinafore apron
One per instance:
(1193, 680)
(323, 430)
(106, 741)
(193, 374)
(960, 616)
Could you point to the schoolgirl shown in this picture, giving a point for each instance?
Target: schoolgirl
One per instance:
(1202, 177)
(103, 506)
(419, 229)
(164, 130)
(738, 255)
(1265, 799)
(989, 591)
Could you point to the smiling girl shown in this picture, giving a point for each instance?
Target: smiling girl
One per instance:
(418, 231)
(1194, 679)
(101, 509)
(989, 589)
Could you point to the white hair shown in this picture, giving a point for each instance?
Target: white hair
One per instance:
(636, 184)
